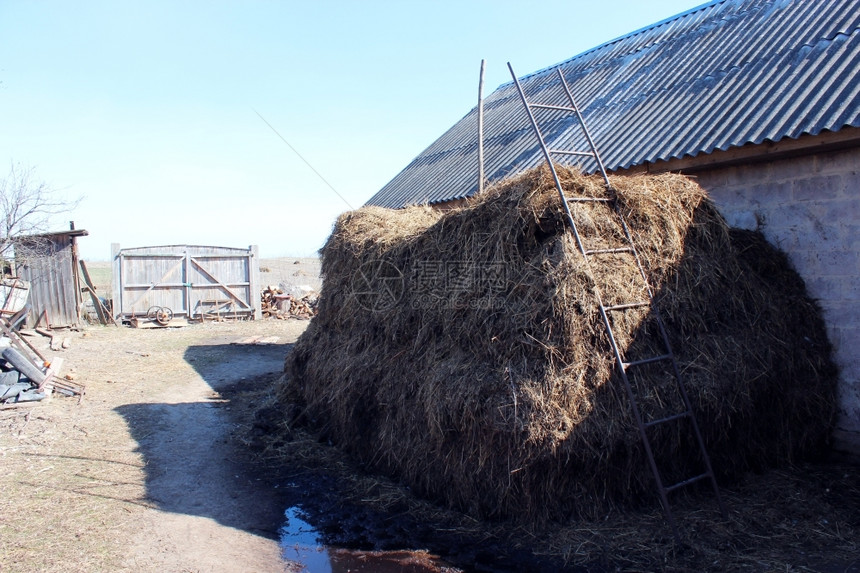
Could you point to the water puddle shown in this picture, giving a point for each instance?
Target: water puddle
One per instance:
(322, 532)
(303, 544)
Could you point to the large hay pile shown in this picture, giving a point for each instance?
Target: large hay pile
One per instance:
(463, 353)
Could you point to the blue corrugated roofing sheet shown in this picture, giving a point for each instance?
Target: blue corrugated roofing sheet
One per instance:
(721, 75)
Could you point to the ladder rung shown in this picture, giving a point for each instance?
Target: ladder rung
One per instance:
(571, 152)
(667, 419)
(550, 106)
(687, 482)
(627, 365)
(584, 199)
(627, 305)
(608, 251)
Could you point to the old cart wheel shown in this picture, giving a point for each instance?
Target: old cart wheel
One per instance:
(152, 312)
(163, 315)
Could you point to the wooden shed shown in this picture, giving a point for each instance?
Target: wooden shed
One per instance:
(194, 282)
(49, 264)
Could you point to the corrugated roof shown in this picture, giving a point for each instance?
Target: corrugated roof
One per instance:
(724, 74)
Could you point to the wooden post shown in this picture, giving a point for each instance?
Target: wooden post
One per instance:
(100, 310)
(76, 278)
(116, 283)
(481, 130)
(254, 281)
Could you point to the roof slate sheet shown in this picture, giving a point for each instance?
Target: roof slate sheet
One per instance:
(722, 75)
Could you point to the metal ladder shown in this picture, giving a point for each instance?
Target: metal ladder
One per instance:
(622, 363)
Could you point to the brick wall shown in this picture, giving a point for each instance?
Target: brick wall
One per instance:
(810, 207)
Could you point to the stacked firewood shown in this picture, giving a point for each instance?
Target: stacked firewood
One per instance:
(276, 303)
(302, 308)
(268, 301)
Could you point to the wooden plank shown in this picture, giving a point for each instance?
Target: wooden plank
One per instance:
(20, 342)
(54, 383)
(253, 262)
(257, 340)
(149, 286)
(178, 285)
(52, 371)
(76, 277)
(104, 310)
(143, 322)
(481, 129)
(44, 315)
(241, 254)
(116, 281)
(187, 298)
(92, 290)
(15, 405)
(153, 255)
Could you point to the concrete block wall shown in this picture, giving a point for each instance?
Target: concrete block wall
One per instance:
(810, 207)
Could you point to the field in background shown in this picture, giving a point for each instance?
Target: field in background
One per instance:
(295, 271)
(100, 275)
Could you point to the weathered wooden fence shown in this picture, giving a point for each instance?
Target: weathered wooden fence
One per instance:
(193, 281)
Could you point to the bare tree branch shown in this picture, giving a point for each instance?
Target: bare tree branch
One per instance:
(26, 206)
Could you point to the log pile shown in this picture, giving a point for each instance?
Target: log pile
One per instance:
(278, 304)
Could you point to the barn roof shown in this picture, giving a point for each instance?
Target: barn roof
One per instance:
(724, 74)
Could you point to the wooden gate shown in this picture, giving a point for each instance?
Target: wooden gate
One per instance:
(192, 281)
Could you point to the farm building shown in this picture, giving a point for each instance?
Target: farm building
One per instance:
(759, 100)
(48, 263)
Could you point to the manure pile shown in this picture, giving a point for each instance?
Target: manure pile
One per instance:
(463, 353)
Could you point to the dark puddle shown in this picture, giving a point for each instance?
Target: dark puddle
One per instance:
(302, 543)
(331, 537)
(326, 535)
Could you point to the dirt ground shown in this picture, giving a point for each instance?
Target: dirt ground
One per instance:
(144, 473)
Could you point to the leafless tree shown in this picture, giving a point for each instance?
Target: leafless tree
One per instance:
(26, 207)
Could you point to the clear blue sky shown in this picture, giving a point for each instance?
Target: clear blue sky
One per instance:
(148, 110)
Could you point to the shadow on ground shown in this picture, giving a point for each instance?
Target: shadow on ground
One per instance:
(199, 462)
(196, 462)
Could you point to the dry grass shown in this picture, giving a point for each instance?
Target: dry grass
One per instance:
(71, 493)
(513, 409)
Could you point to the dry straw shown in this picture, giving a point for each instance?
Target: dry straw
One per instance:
(462, 352)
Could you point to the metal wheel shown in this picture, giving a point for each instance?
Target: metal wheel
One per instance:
(163, 315)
